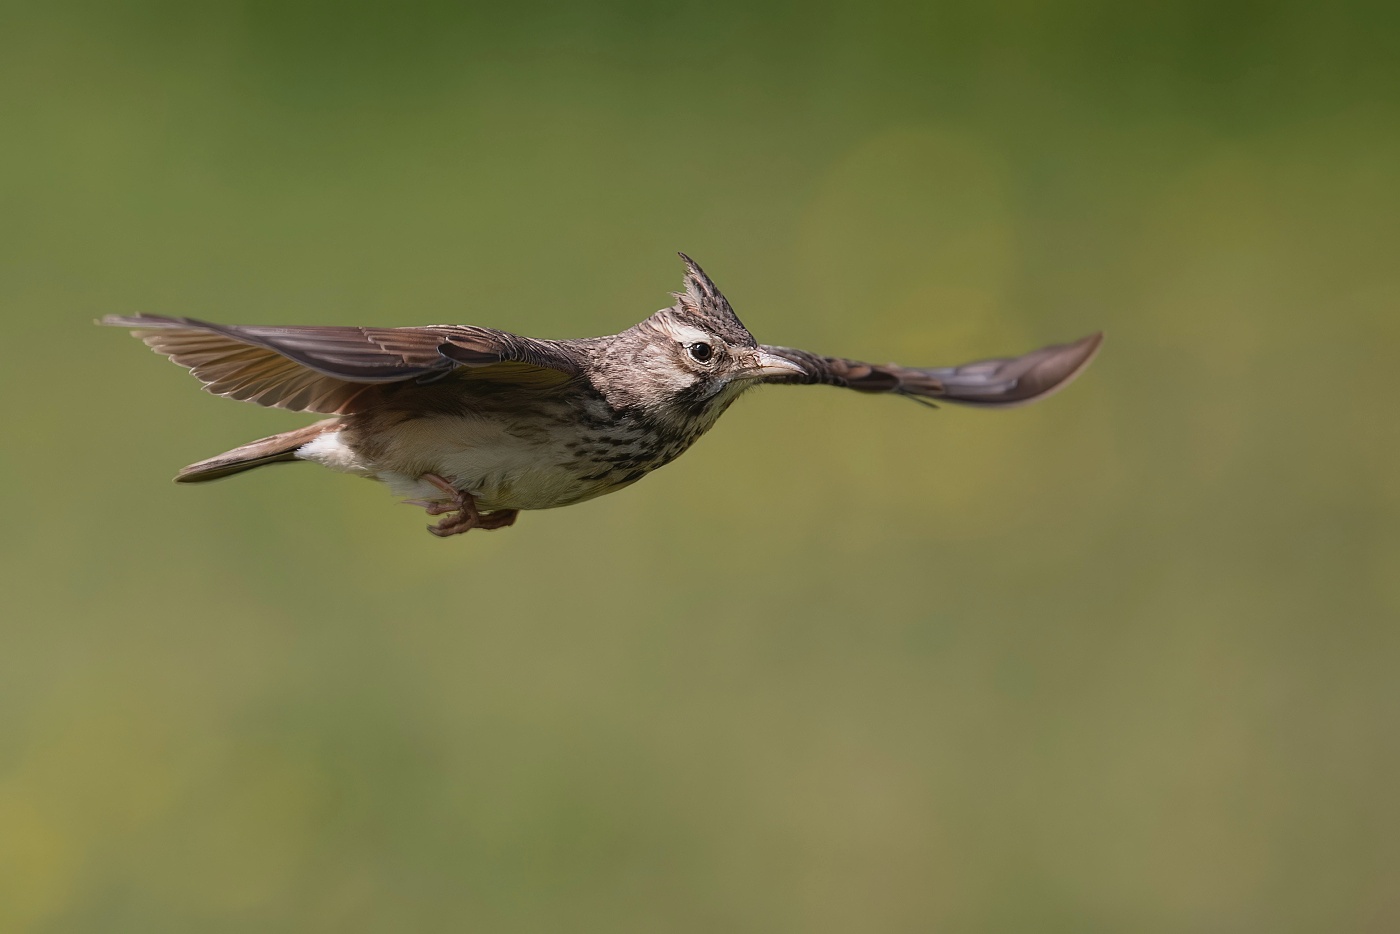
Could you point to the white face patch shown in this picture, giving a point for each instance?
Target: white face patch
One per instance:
(685, 334)
(666, 362)
(658, 364)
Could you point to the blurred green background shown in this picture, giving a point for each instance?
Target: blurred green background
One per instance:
(1124, 661)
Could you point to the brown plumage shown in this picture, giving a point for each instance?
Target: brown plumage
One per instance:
(478, 424)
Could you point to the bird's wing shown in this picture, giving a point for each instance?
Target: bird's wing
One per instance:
(992, 383)
(335, 370)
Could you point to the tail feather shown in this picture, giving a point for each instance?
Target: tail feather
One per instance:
(274, 450)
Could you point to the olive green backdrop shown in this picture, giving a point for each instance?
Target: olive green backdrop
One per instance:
(1122, 661)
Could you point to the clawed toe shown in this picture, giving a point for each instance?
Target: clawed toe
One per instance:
(465, 522)
(432, 507)
(460, 512)
(499, 519)
(454, 524)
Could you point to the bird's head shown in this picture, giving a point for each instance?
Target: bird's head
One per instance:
(695, 356)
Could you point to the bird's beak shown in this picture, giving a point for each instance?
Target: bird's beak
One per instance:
(764, 365)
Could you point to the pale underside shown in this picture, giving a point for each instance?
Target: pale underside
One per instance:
(477, 455)
(544, 449)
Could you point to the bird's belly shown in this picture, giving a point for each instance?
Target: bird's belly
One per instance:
(500, 464)
(499, 481)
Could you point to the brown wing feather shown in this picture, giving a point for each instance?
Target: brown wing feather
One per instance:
(335, 370)
(999, 383)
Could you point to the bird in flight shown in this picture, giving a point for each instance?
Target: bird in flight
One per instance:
(474, 424)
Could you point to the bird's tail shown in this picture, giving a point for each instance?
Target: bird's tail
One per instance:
(277, 449)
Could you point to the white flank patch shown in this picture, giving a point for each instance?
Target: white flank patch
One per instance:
(329, 451)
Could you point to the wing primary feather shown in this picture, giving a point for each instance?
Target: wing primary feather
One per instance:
(334, 370)
(996, 383)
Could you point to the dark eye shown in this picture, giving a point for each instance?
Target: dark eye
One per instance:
(701, 352)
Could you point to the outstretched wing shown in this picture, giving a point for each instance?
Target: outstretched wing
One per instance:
(335, 370)
(992, 383)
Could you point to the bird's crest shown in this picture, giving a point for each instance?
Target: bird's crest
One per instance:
(703, 301)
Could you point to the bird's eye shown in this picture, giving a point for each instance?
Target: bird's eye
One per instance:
(701, 352)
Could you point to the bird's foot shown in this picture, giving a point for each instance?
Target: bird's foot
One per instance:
(466, 520)
(498, 519)
(460, 510)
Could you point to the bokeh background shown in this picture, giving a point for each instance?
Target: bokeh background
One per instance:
(1123, 661)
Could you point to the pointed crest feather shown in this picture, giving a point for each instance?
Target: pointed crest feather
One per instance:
(702, 300)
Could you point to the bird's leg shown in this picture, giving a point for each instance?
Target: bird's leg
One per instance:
(462, 503)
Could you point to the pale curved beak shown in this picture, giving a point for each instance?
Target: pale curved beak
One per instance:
(764, 365)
